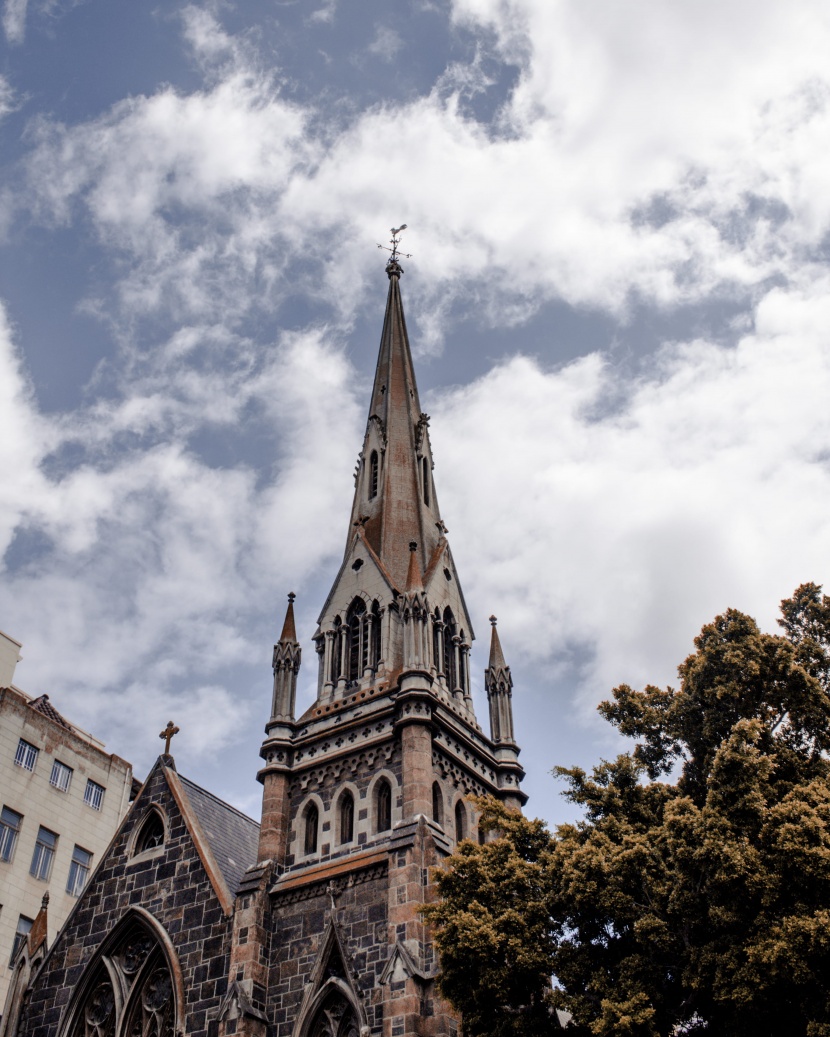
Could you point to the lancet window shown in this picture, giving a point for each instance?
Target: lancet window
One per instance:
(425, 479)
(449, 668)
(151, 833)
(312, 821)
(437, 804)
(383, 805)
(460, 822)
(364, 639)
(373, 475)
(145, 1003)
(336, 650)
(346, 817)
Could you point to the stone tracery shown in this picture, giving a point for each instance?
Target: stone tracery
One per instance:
(132, 992)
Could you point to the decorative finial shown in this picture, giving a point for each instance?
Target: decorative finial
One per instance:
(413, 545)
(493, 620)
(395, 241)
(167, 734)
(291, 597)
(44, 903)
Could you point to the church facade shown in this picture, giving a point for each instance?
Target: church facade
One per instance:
(199, 922)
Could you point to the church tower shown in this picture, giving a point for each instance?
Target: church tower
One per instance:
(368, 790)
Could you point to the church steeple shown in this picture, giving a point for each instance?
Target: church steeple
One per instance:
(395, 502)
(376, 624)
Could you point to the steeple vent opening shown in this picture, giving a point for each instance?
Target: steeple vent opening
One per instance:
(451, 642)
(336, 651)
(373, 475)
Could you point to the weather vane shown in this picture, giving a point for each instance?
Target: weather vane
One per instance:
(396, 237)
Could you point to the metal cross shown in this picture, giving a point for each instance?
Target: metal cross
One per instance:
(167, 734)
(395, 241)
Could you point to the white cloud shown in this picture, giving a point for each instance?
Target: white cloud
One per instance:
(621, 531)
(665, 152)
(151, 567)
(386, 43)
(14, 20)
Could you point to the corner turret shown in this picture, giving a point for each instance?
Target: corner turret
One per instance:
(286, 666)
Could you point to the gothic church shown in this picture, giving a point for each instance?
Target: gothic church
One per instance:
(198, 922)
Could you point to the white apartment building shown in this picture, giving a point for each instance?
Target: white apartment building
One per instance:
(61, 798)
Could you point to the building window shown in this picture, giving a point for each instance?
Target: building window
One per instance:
(373, 475)
(383, 803)
(312, 818)
(336, 650)
(151, 834)
(9, 830)
(24, 927)
(374, 635)
(437, 805)
(44, 854)
(78, 871)
(460, 822)
(425, 468)
(94, 795)
(346, 817)
(26, 755)
(61, 776)
(449, 650)
(358, 639)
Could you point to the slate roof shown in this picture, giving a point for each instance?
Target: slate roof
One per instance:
(233, 836)
(44, 706)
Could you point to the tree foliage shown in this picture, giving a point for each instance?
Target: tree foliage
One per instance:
(694, 896)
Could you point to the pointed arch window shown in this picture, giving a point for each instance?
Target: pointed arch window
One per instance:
(437, 804)
(312, 821)
(374, 636)
(346, 817)
(460, 822)
(151, 833)
(146, 1002)
(383, 806)
(336, 649)
(425, 479)
(358, 625)
(373, 475)
(449, 649)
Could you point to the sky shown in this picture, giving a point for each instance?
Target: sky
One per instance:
(617, 299)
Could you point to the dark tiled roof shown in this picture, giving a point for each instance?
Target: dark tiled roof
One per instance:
(233, 836)
(44, 706)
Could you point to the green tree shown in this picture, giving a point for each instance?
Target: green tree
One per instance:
(694, 896)
(493, 926)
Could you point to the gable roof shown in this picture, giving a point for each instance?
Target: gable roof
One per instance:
(233, 836)
(44, 706)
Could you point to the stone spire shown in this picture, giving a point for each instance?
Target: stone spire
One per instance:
(499, 685)
(286, 664)
(394, 500)
(396, 605)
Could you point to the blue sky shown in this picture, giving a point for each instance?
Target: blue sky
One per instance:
(618, 301)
